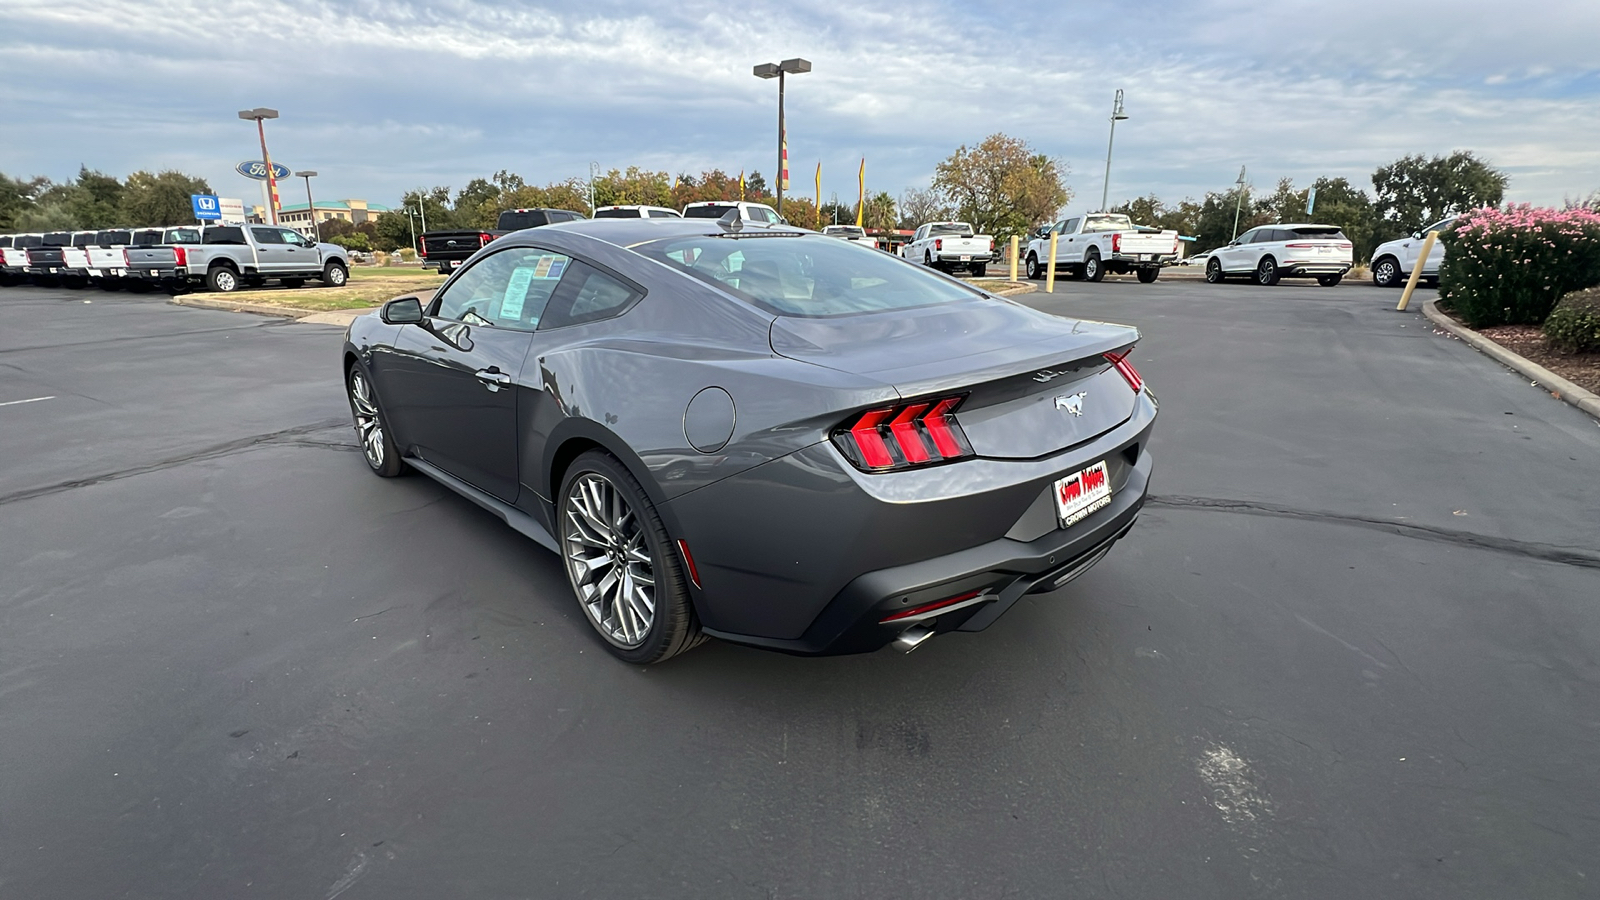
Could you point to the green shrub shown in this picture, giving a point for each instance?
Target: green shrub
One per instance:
(354, 241)
(1510, 266)
(1574, 325)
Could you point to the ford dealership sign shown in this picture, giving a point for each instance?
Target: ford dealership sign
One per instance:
(255, 168)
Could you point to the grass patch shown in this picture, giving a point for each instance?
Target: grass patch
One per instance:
(366, 288)
(393, 273)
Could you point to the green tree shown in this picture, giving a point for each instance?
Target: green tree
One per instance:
(878, 212)
(1285, 204)
(155, 201)
(1414, 191)
(633, 187)
(1347, 206)
(52, 216)
(391, 231)
(1002, 186)
(1214, 225)
(918, 207)
(434, 204)
(96, 199)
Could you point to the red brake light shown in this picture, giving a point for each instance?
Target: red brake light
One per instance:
(1116, 242)
(938, 243)
(1125, 368)
(903, 436)
(180, 256)
(485, 238)
(926, 608)
(125, 260)
(1300, 246)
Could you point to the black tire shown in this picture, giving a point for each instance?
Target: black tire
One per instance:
(294, 283)
(1386, 272)
(1148, 275)
(372, 429)
(1034, 270)
(1329, 280)
(222, 279)
(334, 274)
(673, 626)
(1267, 272)
(980, 271)
(1093, 268)
(75, 282)
(111, 284)
(1214, 271)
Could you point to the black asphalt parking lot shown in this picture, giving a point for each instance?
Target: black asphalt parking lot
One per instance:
(1351, 649)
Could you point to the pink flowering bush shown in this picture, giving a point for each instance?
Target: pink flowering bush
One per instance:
(1510, 266)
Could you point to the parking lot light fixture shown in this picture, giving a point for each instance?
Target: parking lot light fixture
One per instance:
(794, 66)
(1117, 115)
(1238, 205)
(311, 205)
(261, 114)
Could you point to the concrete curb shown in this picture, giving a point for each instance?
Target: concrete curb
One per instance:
(1560, 387)
(259, 309)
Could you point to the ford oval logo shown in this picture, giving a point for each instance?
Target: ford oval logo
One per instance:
(255, 168)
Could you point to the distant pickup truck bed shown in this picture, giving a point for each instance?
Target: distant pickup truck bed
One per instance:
(1093, 244)
(445, 250)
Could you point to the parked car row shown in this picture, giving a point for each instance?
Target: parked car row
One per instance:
(216, 257)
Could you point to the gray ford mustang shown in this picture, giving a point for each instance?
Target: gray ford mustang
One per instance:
(760, 434)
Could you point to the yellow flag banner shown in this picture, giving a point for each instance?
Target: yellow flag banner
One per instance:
(741, 184)
(819, 195)
(861, 196)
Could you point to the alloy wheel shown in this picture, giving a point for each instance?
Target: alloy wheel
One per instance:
(368, 425)
(609, 560)
(1385, 274)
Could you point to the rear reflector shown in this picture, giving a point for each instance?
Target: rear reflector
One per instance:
(1129, 374)
(688, 560)
(921, 433)
(917, 612)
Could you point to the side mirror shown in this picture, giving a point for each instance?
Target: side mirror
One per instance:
(1416, 235)
(402, 311)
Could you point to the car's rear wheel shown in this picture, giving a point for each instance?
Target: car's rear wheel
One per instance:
(1149, 275)
(1093, 269)
(1213, 271)
(1035, 272)
(622, 566)
(377, 447)
(980, 271)
(1267, 272)
(222, 279)
(1386, 272)
(1329, 280)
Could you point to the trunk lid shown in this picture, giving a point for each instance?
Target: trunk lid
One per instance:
(1165, 243)
(1034, 383)
(451, 244)
(151, 257)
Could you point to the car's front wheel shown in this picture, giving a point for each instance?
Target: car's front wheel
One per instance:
(1093, 269)
(622, 566)
(1213, 271)
(377, 447)
(334, 274)
(1386, 272)
(1035, 272)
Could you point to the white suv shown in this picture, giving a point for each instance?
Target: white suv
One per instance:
(1393, 261)
(636, 212)
(1271, 252)
(750, 212)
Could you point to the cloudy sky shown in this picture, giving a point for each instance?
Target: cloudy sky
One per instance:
(384, 96)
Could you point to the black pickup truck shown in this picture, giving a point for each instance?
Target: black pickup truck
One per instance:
(445, 250)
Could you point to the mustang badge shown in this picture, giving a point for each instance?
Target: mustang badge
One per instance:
(1072, 404)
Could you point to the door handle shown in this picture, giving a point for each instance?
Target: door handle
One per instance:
(493, 378)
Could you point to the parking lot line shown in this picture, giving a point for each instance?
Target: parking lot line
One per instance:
(29, 400)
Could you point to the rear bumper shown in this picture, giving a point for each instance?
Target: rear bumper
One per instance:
(158, 275)
(815, 568)
(1294, 268)
(1138, 260)
(970, 258)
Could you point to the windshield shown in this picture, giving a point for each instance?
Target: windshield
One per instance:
(806, 275)
(183, 235)
(713, 211)
(845, 230)
(961, 229)
(1106, 223)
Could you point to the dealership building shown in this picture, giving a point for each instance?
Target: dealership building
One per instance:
(298, 215)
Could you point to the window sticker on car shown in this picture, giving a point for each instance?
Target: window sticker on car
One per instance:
(516, 292)
(550, 266)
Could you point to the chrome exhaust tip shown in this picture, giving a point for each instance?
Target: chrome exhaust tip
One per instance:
(912, 638)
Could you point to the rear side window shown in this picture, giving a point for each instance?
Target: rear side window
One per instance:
(806, 275)
(509, 289)
(663, 214)
(714, 211)
(616, 214)
(58, 239)
(1319, 233)
(83, 240)
(587, 294)
(227, 234)
(266, 235)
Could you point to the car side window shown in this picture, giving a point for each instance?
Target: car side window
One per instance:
(266, 235)
(1069, 226)
(509, 289)
(293, 238)
(587, 294)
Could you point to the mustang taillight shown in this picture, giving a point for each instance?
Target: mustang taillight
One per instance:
(1116, 242)
(1125, 368)
(920, 433)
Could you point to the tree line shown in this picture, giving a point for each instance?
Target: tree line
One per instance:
(96, 200)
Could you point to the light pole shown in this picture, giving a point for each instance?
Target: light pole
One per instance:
(1116, 115)
(259, 114)
(592, 167)
(316, 233)
(778, 70)
(411, 220)
(1239, 204)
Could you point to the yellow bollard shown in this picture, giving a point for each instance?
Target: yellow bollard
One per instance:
(1013, 258)
(1050, 270)
(1416, 270)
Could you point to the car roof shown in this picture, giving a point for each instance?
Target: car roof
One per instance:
(1296, 225)
(627, 233)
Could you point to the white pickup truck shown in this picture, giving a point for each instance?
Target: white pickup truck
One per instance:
(855, 234)
(950, 245)
(1093, 244)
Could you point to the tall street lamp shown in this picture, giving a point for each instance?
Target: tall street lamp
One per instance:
(259, 114)
(1116, 115)
(1238, 204)
(778, 70)
(311, 204)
